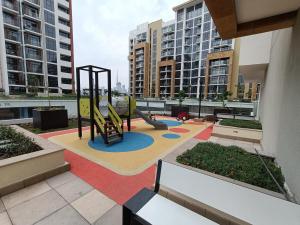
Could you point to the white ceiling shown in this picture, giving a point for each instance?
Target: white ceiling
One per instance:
(249, 10)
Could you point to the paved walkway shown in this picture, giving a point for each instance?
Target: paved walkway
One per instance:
(64, 199)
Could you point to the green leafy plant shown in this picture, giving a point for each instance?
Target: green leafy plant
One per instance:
(251, 124)
(233, 162)
(14, 143)
(181, 95)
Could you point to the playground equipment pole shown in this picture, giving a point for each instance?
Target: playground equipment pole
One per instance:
(92, 122)
(200, 94)
(78, 102)
(97, 94)
(109, 85)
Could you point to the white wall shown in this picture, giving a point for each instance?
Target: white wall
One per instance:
(280, 106)
(255, 49)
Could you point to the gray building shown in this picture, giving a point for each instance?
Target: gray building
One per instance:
(36, 47)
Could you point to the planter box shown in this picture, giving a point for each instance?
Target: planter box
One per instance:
(24, 170)
(175, 110)
(236, 133)
(50, 119)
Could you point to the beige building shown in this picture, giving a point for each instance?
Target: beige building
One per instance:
(273, 59)
(185, 54)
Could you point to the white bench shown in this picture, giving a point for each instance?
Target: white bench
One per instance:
(147, 207)
(222, 201)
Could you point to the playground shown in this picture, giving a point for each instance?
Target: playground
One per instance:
(139, 149)
(116, 141)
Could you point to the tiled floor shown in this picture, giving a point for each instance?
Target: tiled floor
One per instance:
(64, 199)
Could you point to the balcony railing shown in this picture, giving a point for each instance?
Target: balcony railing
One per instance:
(32, 28)
(36, 2)
(16, 51)
(15, 67)
(28, 12)
(12, 36)
(7, 4)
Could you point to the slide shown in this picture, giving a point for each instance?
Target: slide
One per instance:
(156, 124)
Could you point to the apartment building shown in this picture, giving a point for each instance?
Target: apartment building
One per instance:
(189, 55)
(36, 42)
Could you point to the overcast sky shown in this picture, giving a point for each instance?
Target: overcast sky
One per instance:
(101, 30)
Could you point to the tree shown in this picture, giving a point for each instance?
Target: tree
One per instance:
(181, 95)
(115, 93)
(224, 96)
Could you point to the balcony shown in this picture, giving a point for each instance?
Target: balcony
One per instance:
(10, 20)
(13, 50)
(12, 35)
(30, 27)
(14, 64)
(11, 5)
(31, 12)
(16, 78)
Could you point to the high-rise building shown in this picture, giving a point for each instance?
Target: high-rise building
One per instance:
(36, 45)
(182, 54)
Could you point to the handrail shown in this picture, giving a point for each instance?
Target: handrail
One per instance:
(98, 113)
(99, 118)
(115, 117)
(99, 124)
(115, 114)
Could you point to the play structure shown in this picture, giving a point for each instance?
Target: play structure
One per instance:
(105, 113)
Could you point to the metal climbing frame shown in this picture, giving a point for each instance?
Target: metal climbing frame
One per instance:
(94, 72)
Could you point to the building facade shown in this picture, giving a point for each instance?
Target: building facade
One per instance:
(36, 47)
(183, 54)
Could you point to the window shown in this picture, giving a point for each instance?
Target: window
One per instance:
(180, 15)
(16, 78)
(52, 82)
(51, 57)
(65, 46)
(49, 4)
(65, 58)
(66, 81)
(52, 69)
(49, 17)
(63, 21)
(50, 31)
(32, 39)
(13, 90)
(35, 80)
(34, 67)
(64, 34)
(50, 44)
(33, 53)
(11, 34)
(63, 9)
(14, 64)
(65, 69)
(31, 25)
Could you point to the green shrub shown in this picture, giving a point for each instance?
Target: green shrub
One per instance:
(241, 123)
(17, 143)
(233, 162)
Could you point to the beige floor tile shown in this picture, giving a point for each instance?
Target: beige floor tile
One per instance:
(111, 217)
(61, 179)
(64, 216)
(74, 189)
(4, 219)
(93, 205)
(36, 209)
(25, 194)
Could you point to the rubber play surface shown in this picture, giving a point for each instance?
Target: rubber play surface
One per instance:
(139, 149)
